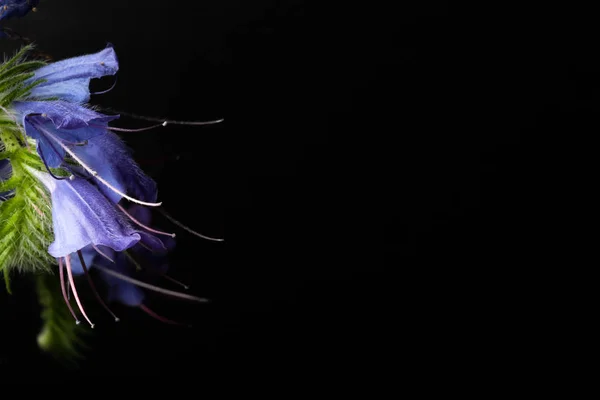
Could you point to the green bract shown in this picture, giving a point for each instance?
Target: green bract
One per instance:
(25, 218)
(25, 212)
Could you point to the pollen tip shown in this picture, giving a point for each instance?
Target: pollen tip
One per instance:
(72, 177)
(44, 115)
(77, 322)
(34, 9)
(93, 325)
(173, 235)
(186, 287)
(117, 319)
(164, 123)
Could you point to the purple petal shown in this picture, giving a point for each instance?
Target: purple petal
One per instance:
(64, 115)
(152, 244)
(150, 241)
(81, 215)
(67, 121)
(50, 151)
(40, 129)
(69, 79)
(108, 155)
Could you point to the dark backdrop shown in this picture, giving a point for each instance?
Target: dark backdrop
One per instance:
(370, 179)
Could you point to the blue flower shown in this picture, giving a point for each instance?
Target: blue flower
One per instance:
(150, 252)
(69, 79)
(55, 107)
(111, 159)
(82, 216)
(66, 121)
(16, 8)
(90, 222)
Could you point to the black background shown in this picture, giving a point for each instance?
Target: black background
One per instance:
(380, 179)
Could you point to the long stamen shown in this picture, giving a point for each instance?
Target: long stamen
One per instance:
(152, 287)
(102, 254)
(147, 128)
(70, 273)
(175, 281)
(144, 226)
(94, 173)
(64, 290)
(182, 226)
(84, 143)
(91, 282)
(162, 120)
(107, 90)
(160, 317)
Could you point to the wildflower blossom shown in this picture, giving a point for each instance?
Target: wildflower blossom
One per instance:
(64, 117)
(81, 216)
(147, 258)
(64, 181)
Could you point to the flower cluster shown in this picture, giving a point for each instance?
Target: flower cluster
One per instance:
(71, 196)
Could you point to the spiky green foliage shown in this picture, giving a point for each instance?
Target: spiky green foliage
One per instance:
(13, 74)
(60, 336)
(26, 215)
(25, 218)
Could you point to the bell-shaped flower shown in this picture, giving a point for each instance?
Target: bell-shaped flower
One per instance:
(55, 107)
(125, 273)
(81, 216)
(69, 79)
(150, 253)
